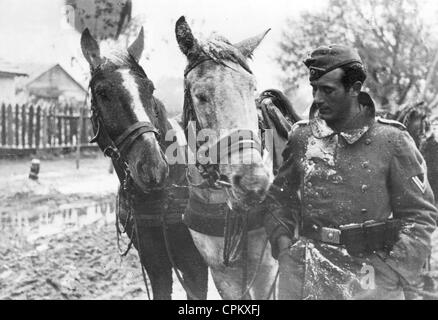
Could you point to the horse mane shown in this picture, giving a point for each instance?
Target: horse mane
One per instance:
(220, 49)
(117, 58)
(409, 111)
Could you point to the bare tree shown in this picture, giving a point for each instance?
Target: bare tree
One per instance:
(394, 42)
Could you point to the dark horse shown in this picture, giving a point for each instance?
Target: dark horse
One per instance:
(129, 124)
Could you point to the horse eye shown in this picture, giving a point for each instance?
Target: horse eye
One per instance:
(101, 93)
(201, 97)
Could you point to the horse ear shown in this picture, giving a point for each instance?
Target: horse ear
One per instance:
(247, 47)
(137, 47)
(90, 49)
(184, 36)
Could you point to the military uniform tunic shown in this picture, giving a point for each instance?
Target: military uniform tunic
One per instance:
(370, 171)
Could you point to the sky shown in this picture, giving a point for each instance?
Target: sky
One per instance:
(33, 31)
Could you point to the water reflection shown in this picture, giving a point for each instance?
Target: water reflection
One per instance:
(68, 217)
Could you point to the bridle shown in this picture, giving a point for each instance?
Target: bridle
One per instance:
(210, 172)
(117, 149)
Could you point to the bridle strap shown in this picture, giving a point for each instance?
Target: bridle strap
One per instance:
(127, 138)
(190, 67)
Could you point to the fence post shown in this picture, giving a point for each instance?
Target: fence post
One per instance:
(59, 118)
(17, 125)
(10, 133)
(51, 127)
(3, 132)
(71, 124)
(23, 125)
(38, 127)
(31, 127)
(44, 134)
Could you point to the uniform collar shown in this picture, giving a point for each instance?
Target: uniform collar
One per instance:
(355, 130)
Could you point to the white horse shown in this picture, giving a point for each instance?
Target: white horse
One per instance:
(219, 95)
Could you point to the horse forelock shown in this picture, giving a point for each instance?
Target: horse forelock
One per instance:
(220, 50)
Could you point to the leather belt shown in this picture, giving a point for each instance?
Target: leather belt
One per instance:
(360, 237)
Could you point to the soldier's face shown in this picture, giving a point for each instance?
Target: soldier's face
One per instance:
(332, 100)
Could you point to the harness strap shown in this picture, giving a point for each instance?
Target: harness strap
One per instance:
(132, 133)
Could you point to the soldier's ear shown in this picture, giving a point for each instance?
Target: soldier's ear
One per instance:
(356, 89)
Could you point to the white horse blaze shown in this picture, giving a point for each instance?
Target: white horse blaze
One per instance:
(132, 87)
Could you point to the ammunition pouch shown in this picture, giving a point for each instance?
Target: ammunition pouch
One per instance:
(358, 239)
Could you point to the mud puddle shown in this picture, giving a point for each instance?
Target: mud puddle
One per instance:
(30, 226)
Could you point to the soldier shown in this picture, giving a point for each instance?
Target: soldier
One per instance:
(351, 212)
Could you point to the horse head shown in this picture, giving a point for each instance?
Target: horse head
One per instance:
(219, 98)
(415, 118)
(126, 117)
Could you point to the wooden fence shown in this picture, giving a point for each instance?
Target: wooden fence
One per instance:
(34, 127)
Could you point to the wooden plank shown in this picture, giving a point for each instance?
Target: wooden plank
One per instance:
(3, 123)
(31, 128)
(45, 127)
(66, 127)
(71, 125)
(59, 131)
(23, 126)
(17, 125)
(10, 128)
(51, 127)
(38, 127)
(85, 126)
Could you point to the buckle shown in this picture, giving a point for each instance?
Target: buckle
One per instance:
(330, 235)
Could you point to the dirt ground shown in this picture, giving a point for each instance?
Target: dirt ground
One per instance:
(57, 235)
(58, 238)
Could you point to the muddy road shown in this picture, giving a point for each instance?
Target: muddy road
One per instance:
(57, 235)
(58, 238)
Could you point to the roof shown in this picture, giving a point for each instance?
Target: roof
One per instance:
(9, 68)
(37, 71)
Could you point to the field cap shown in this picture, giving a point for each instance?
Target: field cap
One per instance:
(327, 58)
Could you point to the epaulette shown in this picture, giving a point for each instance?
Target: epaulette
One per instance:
(297, 124)
(393, 123)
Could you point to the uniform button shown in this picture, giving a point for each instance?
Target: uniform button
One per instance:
(315, 227)
(309, 184)
(316, 194)
(364, 188)
(365, 165)
(309, 206)
(364, 211)
(165, 206)
(367, 142)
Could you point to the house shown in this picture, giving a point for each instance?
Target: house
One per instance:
(8, 77)
(53, 83)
